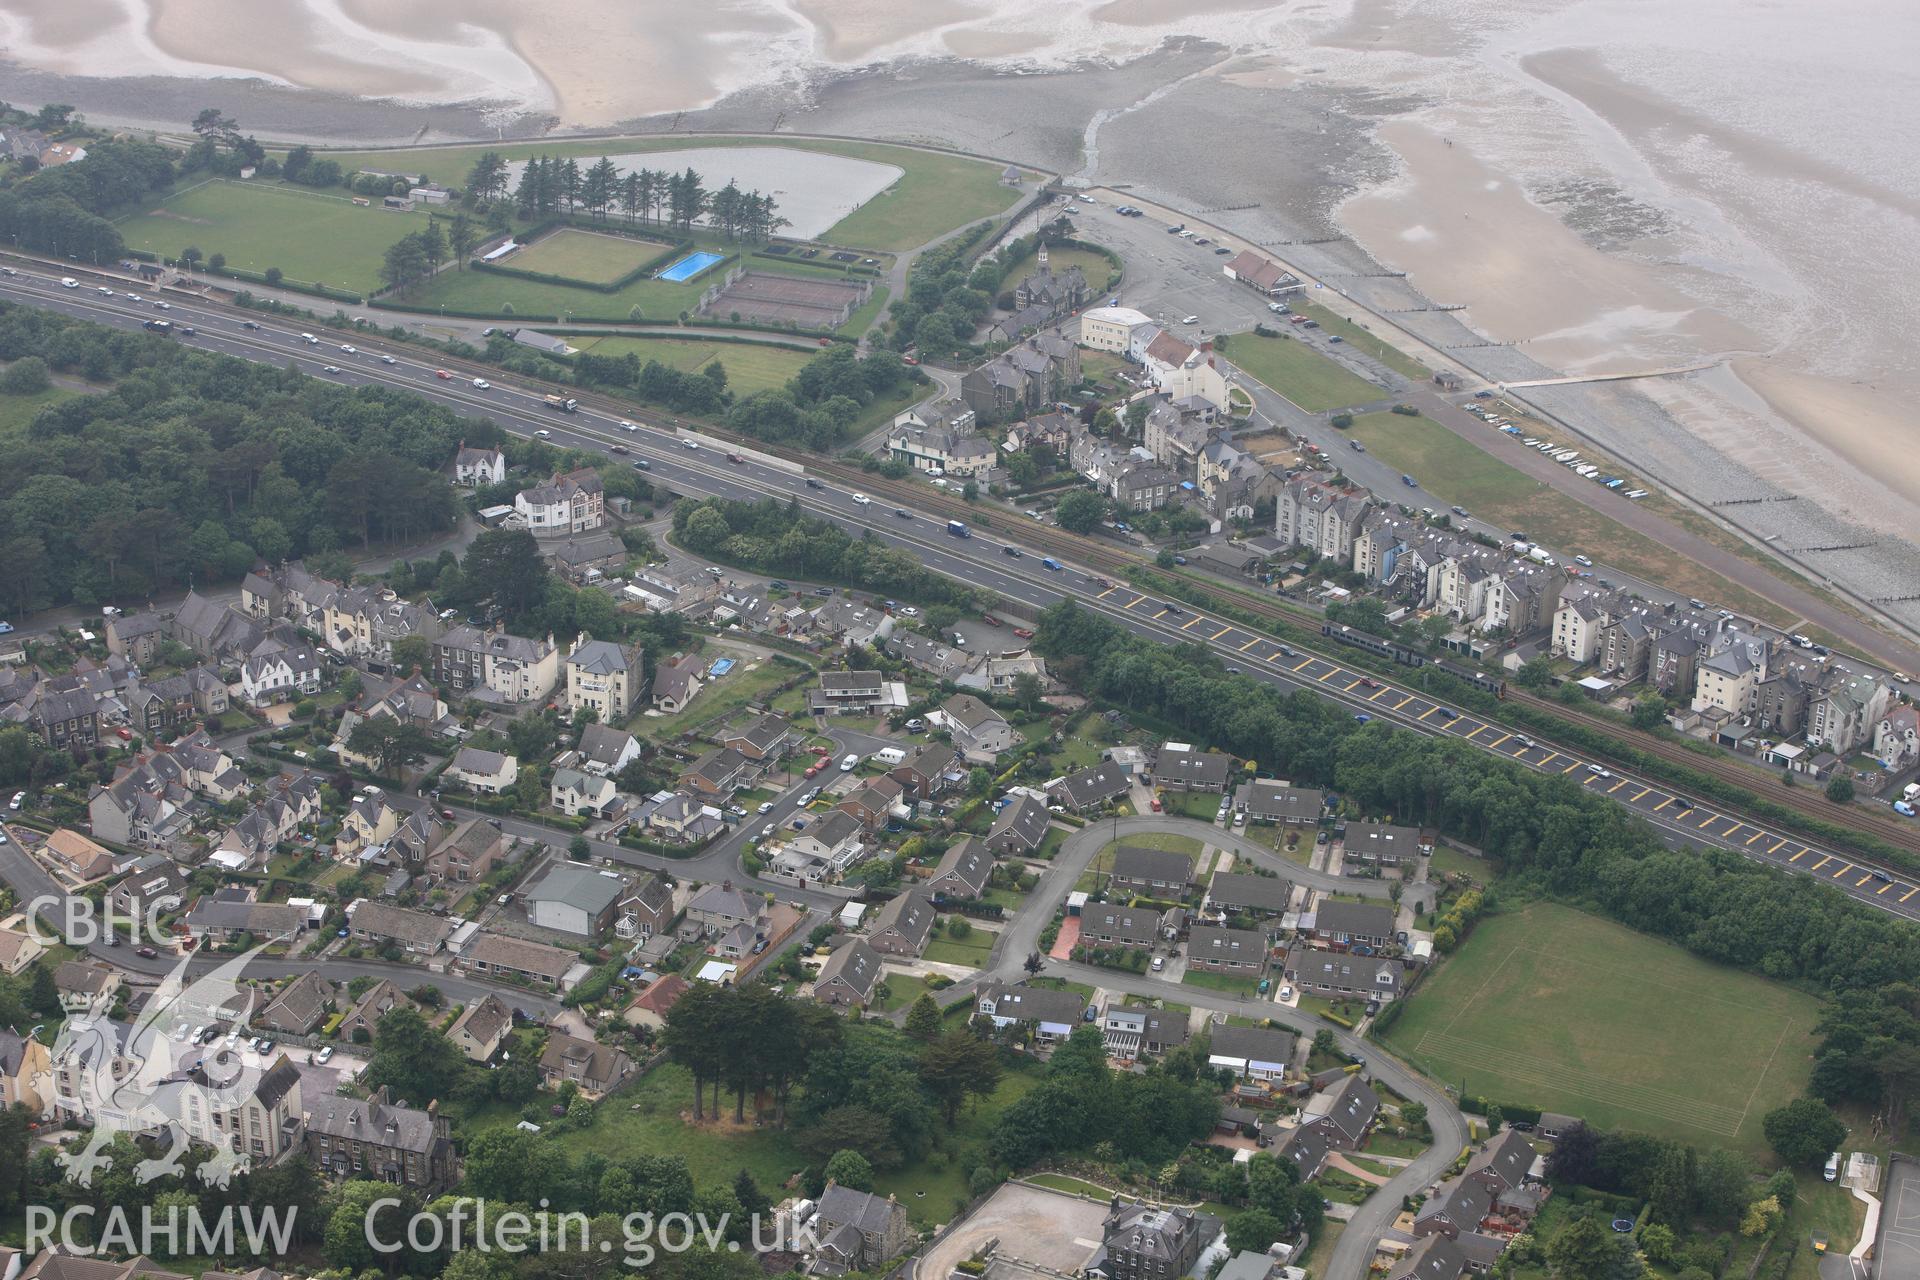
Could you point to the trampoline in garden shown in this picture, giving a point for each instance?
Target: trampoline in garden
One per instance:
(689, 267)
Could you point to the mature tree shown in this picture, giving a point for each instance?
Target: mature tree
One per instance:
(1253, 1230)
(923, 1019)
(462, 236)
(413, 1060)
(1722, 1184)
(412, 653)
(1081, 511)
(958, 1066)
(390, 743)
(1582, 1250)
(1575, 1157)
(1840, 789)
(1803, 1132)
(506, 564)
(850, 1169)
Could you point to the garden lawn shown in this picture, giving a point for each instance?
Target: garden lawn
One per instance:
(1456, 471)
(750, 367)
(16, 412)
(1094, 266)
(971, 951)
(1243, 988)
(647, 1117)
(587, 255)
(902, 990)
(935, 192)
(1445, 861)
(1552, 1008)
(313, 237)
(1300, 373)
(718, 698)
(932, 1189)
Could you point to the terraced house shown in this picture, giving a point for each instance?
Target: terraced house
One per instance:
(494, 666)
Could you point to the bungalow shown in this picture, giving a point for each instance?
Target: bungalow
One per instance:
(963, 871)
(903, 925)
(1305, 1146)
(1345, 1110)
(1138, 1031)
(925, 653)
(1252, 1052)
(80, 857)
(18, 949)
(1020, 828)
(650, 1007)
(1378, 844)
(1237, 951)
(850, 976)
(481, 1028)
(300, 1006)
(1264, 800)
(981, 733)
(594, 1069)
(1158, 873)
(490, 772)
(363, 1019)
(576, 793)
(1342, 975)
(497, 954)
(1348, 924)
(1051, 1015)
(414, 931)
(1092, 787)
(1241, 893)
(230, 915)
(1178, 767)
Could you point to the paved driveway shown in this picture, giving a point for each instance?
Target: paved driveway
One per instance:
(1898, 1254)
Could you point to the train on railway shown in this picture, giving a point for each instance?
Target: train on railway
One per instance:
(1407, 656)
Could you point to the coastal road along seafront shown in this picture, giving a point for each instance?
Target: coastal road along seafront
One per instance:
(1021, 938)
(986, 560)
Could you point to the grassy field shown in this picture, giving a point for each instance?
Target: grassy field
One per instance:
(647, 1117)
(1093, 265)
(750, 368)
(486, 293)
(1561, 1010)
(718, 698)
(1300, 373)
(1456, 471)
(971, 951)
(586, 255)
(313, 238)
(1400, 363)
(932, 1188)
(17, 412)
(934, 194)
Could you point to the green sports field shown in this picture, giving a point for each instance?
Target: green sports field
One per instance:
(1553, 1008)
(586, 255)
(1300, 373)
(749, 368)
(312, 238)
(934, 194)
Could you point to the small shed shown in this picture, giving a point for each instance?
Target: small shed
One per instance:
(852, 914)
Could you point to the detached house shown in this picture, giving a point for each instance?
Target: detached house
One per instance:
(414, 931)
(481, 1028)
(1020, 828)
(604, 677)
(490, 772)
(575, 793)
(850, 976)
(1050, 1015)
(676, 681)
(377, 1140)
(1092, 787)
(1144, 1242)
(494, 666)
(1353, 923)
(1341, 975)
(594, 1068)
(980, 733)
(963, 871)
(861, 1231)
(1252, 1053)
(1138, 1031)
(572, 503)
(1345, 1111)
(903, 925)
(477, 468)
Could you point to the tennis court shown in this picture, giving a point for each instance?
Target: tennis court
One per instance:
(809, 302)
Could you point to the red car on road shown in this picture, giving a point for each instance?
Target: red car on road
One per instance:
(441, 373)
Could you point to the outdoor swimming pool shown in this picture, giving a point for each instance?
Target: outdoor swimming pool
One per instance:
(689, 267)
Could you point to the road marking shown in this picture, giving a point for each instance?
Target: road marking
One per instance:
(1429, 711)
(1403, 702)
(1730, 830)
(1862, 880)
(1478, 729)
(1303, 662)
(1779, 845)
(1196, 621)
(1796, 857)
(1570, 768)
(1249, 644)
(1331, 673)
(1755, 836)
(1109, 591)
(1712, 817)
(1824, 860)
(1136, 602)
(1909, 893)
(1844, 868)
(1616, 786)
(1548, 759)
(1222, 631)
(1663, 804)
(1644, 791)
(1883, 888)
(1382, 692)
(1497, 741)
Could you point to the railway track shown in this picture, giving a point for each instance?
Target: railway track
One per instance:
(1107, 559)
